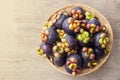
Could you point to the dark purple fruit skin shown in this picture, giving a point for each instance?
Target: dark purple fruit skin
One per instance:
(98, 53)
(72, 41)
(85, 60)
(76, 56)
(90, 44)
(60, 61)
(83, 44)
(79, 62)
(96, 38)
(94, 21)
(85, 64)
(52, 38)
(65, 27)
(60, 21)
(80, 43)
(68, 70)
(47, 48)
(78, 8)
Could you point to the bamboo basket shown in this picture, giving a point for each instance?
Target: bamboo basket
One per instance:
(102, 20)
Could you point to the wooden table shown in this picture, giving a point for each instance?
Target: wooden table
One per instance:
(19, 37)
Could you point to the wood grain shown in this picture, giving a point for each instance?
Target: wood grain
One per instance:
(19, 34)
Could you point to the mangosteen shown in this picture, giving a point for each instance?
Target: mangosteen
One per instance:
(70, 44)
(77, 13)
(71, 40)
(73, 64)
(60, 61)
(71, 26)
(101, 40)
(94, 21)
(88, 57)
(83, 37)
(49, 35)
(60, 19)
(99, 53)
(45, 49)
(60, 55)
(93, 26)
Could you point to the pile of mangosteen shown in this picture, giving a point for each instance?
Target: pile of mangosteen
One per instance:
(74, 40)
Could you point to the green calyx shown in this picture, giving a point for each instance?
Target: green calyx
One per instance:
(82, 24)
(92, 29)
(86, 34)
(86, 40)
(48, 24)
(72, 66)
(81, 30)
(103, 41)
(79, 37)
(84, 37)
(107, 51)
(61, 33)
(59, 49)
(89, 15)
(90, 50)
(40, 51)
(94, 63)
(103, 45)
(93, 25)
(89, 64)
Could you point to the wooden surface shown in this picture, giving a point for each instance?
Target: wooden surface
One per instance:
(21, 22)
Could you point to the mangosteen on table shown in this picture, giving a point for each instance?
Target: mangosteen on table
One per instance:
(49, 35)
(73, 64)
